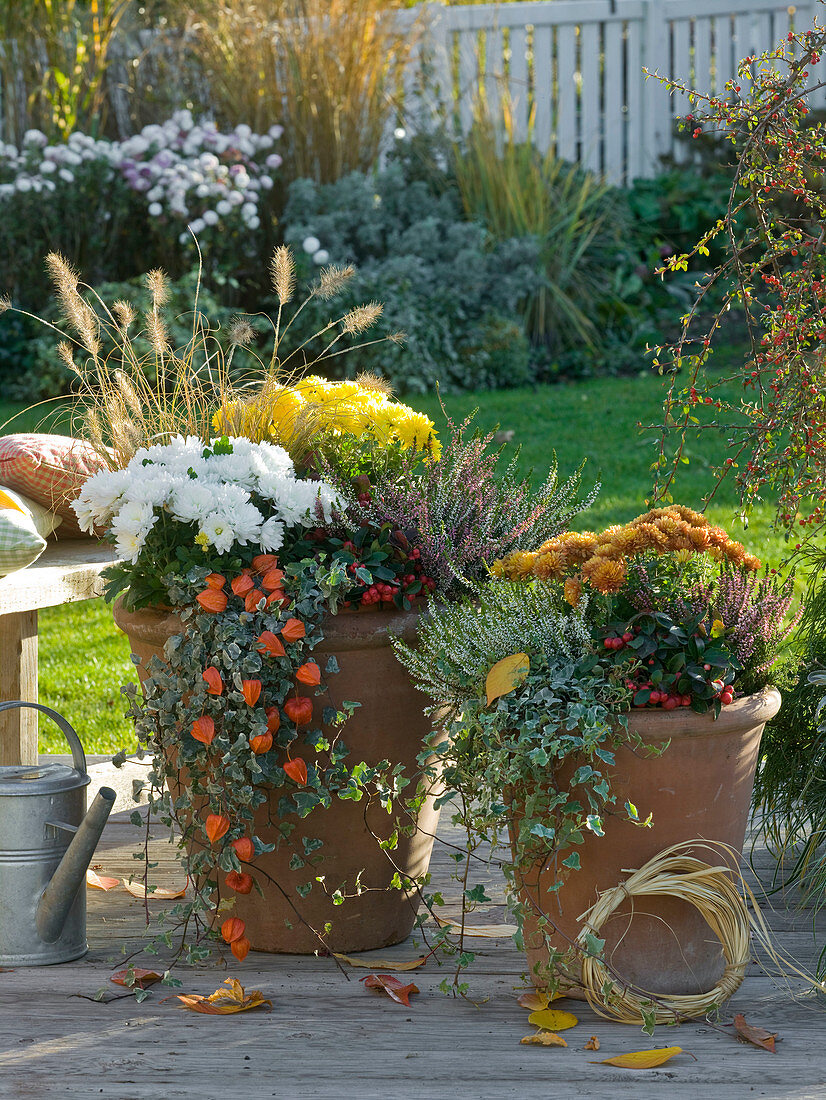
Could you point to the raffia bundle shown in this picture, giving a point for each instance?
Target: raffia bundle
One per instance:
(719, 894)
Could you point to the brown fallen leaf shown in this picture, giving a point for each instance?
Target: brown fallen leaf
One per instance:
(224, 1002)
(100, 882)
(391, 986)
(592, 1044)
(553, 1019)
(757, 1036)
(641, 1059)
(486, 931)
(137, 890)
(534, 1001)
(385, 964)
(137, 977)
(545, 1039)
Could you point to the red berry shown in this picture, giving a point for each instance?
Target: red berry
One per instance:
(685, 700)
(627, 637)
(670, 703)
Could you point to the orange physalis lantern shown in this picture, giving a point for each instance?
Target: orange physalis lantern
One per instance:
(297, 771)
(216, 826)
(215, 580)
(293, 630)
(240, 948)
(242, 585)
(309, 673)
(273, 719)
(252, 599)
(261, 743)
(212, 599)
(251, 690)
(299, 710)
(272, 579)
(261, 563)
(244, 849)
(203, 729)
(239, 881)
(232, 929)
(271, 643)
(215, 685)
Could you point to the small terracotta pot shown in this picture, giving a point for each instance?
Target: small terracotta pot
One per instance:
(389, 725)
(698, 789)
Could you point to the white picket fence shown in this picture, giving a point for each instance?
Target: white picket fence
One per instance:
(574, 68)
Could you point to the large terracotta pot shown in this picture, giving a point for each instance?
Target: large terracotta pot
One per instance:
(698, 789)
(390, 725)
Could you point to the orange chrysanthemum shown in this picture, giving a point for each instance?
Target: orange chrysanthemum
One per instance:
(608, 576)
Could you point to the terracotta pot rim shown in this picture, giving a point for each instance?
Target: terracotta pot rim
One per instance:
(743, 714)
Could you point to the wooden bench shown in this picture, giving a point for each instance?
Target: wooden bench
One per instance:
(66, 572)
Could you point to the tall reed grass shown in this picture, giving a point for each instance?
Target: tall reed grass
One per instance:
(329, 71)
(515, 190)
(54, 59)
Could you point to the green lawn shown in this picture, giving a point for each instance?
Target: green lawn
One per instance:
(84, 659)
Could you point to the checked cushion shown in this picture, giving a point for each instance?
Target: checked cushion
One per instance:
(50, 469)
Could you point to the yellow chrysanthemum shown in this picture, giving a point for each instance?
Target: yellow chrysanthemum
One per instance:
(550, 565)
(573, 591)
(608, 576)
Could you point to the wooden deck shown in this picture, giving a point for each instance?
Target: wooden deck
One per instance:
(329, 1038)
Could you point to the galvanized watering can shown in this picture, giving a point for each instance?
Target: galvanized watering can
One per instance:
(46, 845)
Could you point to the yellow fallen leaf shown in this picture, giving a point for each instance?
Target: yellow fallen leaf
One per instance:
(545, 1039)
(506, 675)
(553, 1019)
(137, 890)
(486, 931)
(224, 1002)
(641, 1059)
(592, 1044)
(534, 1001)
(382, 964)
(100, 882)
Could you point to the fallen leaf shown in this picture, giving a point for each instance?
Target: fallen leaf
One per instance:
(506, 675)
(534, 1001)
(137, 890)
(136, 978)
(552, 1019)
(545, 1039)
(391, 986)
(224, 1002)
(100, 882)
(385, 964)
(641, 1059)
(486, 931)
(758, 1036)
(592, 1044)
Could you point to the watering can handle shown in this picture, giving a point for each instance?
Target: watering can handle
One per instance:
(78, 755)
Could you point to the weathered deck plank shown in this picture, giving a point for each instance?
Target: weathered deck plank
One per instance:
(328, 1038)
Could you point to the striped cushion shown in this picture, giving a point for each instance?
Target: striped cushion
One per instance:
(24, 525)
(50, 469)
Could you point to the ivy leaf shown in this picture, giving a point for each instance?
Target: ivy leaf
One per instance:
(553, 1019)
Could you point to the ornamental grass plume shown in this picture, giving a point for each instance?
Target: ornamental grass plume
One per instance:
(135, 389)
(602, 560)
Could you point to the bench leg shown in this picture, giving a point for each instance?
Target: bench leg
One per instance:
(18, 680)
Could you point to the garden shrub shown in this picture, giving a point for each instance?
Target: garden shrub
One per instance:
(455, 292)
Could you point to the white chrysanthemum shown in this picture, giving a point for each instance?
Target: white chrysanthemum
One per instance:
(129, 543)
(271, 535)
(218, 530)
(191, 501)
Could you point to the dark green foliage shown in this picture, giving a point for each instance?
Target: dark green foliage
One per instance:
(453, 291)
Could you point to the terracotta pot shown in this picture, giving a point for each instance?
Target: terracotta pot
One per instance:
(390, 725)
(698, 789)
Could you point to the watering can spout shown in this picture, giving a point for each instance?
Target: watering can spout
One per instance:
(58, 897)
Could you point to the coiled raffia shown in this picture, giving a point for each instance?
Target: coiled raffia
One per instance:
(718, 893)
